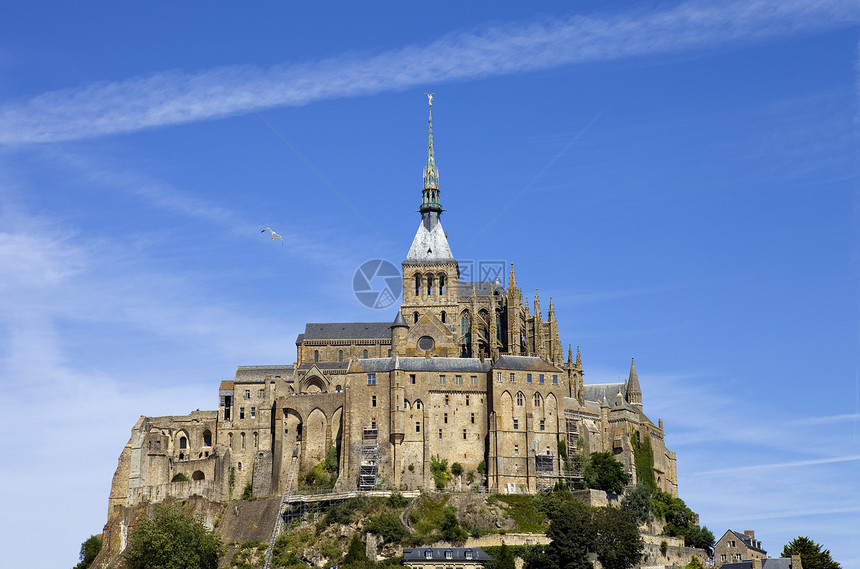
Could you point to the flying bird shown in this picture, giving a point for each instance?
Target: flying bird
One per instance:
(274, 235)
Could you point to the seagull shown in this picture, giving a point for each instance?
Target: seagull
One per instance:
(274, 235)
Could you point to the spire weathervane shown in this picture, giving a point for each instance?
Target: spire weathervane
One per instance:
(430, 98)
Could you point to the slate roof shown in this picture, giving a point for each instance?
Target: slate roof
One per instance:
(453, 365)
(438, 554)
(430, 243)
(346, 331)
(767, 563)
(464, 288)
(596, 391)
(524, 363)
(747, 540)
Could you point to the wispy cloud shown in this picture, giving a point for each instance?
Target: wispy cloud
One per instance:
(826, 420)
(792, 464)
(174, 97)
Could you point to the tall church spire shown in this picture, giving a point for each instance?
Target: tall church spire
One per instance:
(430, 193)
(634, 392)
(430, 243)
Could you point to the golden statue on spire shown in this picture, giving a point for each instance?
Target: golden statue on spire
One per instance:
(430, 98)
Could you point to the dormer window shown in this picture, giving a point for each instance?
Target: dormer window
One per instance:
(428, 554)
(468, 554)
(449, 554)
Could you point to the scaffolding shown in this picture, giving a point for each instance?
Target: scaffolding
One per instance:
(369, 466)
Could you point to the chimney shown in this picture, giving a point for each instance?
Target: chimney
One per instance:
(756, 563)
(795, 562)
(750, 534)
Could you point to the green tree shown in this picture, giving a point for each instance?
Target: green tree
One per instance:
(618, 544)
(356, 552)
(700, 537)
(505, 560)
(637, 503)
(439, 471)
(388, 526)
(603, 472)
(172, 539)
(695, 563)
(811, 555)
(572, 532)
(678, 517)
(643, 457)
(450, 526)
(89, 549)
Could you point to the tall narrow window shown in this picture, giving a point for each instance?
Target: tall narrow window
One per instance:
(446, 400)
(412, 378)
(519, 399)
(340, 355)
(513, 377)
(474, 380)
(429, 285)
(516, 424)
(417, 427)
(417, 285)
(528, 378)
(256, 439)
(373, 400)
(458, 380)
(253, 412)
(442, 285)
(445, 418)
(241, 412)
(473, 417)
(316, 356)
(230, 440)
(364, 354)
(183, 443)
(537, 399)
(542, 425)
(464, 434)
(540, 379)
(441, 380)
(440, 433)
(415, 317)
(243, 440)
(555, 380)
(499, 377)
(443, 317)
(467, 400)
(516, 450)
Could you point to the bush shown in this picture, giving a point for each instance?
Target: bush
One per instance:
(398, 500)
(450, 527)
(387, 526)
(180, 478)
(456, 469)
(248, 492)
(605, 473)
(482, 467)
(356, 552)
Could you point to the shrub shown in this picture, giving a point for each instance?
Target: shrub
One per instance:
(248, 492)
(387, 526)
(482, 467)
(172, 539)
(439, 471)
(179, 478)
(89, 549)
(456, 469)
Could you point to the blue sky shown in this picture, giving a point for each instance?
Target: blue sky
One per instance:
(680, 178)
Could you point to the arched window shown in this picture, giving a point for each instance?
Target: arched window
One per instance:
(316, 356)
(340, 355)
(537, 399)
(364, 354)
(198, 475)
(417, 284)
(466, 335)
(441, 284)
(207, 438)
(443, 313)
(183, 443)
(230, 440)
(243, 440)
(256, 439)
(519, 399)
(338, 389)
(418, 404)
(429, 285)
(415, 317)
(239, 466)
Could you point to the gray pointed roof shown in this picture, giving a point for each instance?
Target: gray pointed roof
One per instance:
(430, 243)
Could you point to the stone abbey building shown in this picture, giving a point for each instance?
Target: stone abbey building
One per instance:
(464, 371)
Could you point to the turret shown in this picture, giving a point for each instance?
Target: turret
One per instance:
(634, 392)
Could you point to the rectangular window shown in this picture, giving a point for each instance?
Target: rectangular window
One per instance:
(440, 433)
(473, 417)
(445, 418)
(516, 451)
(464, 434)
(528, 378)
(412, 378)
(542, 425)
(371, 379)
(499, 377)
(417, 427)
(468, 554)
(513, 377)
(446, 400)
(373, 400)
(474, 380)
(467, 400)
(253, 412)
(555, 380)
(540, 379)
(247, 394)
(262, 393)
(516, 424)
(241, 412)
(441, 380)
(458, 379)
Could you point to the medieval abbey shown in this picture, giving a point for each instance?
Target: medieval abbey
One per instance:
(464, 371)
